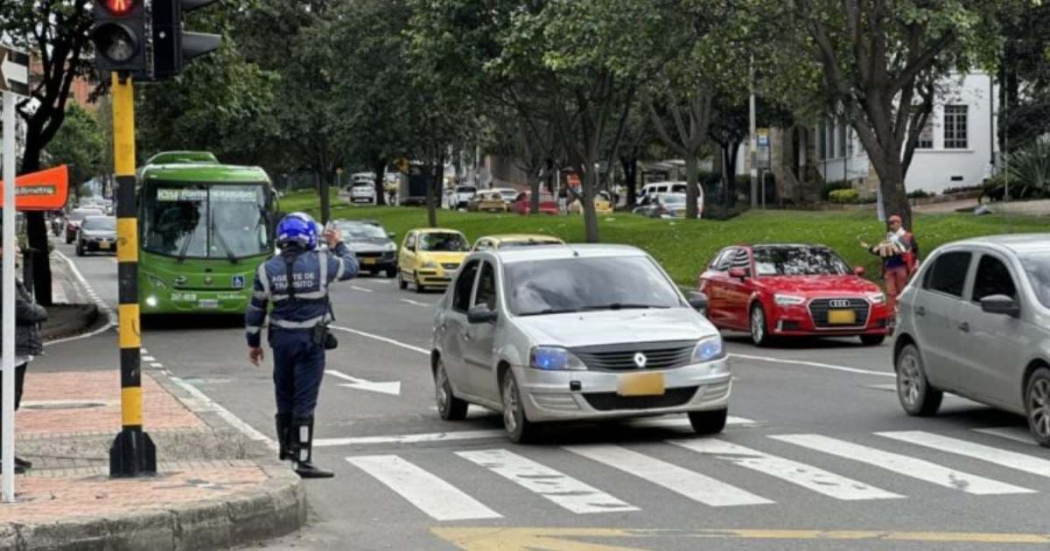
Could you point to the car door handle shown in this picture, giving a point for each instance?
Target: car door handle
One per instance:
(920, 311)
(964, 327)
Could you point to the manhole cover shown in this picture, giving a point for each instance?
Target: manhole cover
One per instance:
(62, 404)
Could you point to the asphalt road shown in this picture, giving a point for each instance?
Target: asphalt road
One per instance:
(818, 455)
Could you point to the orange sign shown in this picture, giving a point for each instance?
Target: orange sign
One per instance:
(44, 190)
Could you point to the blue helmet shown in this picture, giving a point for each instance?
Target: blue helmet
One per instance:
(299, 228)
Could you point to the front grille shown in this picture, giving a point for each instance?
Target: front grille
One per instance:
(610, 401)
(818, 309)
(621, 357)
(369, 254)
(450, 265)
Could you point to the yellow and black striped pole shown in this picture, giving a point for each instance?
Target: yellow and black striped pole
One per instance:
(133, 453)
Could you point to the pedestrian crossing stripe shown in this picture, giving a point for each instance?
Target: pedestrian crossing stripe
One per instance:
(1005, 458)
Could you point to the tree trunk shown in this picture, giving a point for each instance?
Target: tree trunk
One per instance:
(891, 183)
(433, 188)
(36, 229)
(326, 199)
(729, 152)
(534, 187)
(630, 177)
(378, 166)
(590, 217)
(692, 174)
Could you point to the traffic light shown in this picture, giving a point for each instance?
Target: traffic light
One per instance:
(119, 34)
(173, 47)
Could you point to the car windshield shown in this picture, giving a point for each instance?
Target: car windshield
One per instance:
(586, 284)
(508, 194)
(1037, 265)
(673, 198)
(798, 261)
(466, 189)
(356, 230)
(443, 242)
(80, 214)
(100, 223)
(205, 221)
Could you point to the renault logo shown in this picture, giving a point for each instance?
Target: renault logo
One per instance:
(640, 360)
(839, 303)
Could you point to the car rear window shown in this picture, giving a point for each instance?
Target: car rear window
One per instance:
(100, 223)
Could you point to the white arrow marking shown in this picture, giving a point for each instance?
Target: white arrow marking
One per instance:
(13, 72)
(393, 388)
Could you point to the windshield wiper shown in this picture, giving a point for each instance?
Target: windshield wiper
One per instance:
(185, 247)
(229, 251)
(550, 311)
(622, 306)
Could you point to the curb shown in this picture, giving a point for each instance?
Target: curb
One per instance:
(83, 321)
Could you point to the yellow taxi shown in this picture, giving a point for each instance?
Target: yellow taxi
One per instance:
(430, 257)
(505, 241)
(603, 205)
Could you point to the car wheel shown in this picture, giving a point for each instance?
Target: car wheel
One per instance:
(916, 395)
(708, 422)
(401, 283)
(419, 287)
(449, 407)
(519, 429)
(759, 332)
(391, 272)
(1037, 406)
(80, 250)
(872, 340)
(69, 240)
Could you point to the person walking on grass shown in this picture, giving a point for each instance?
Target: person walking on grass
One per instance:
(900, 258)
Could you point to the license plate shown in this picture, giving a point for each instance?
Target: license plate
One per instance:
(208, 303)
(641, 384)
(103, 244)
(368, 261)
(842, 317)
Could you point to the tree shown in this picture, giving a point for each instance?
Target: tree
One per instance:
(730, 126)
(1024, 74)
(881, 63)
(56, 33)
(81, 144)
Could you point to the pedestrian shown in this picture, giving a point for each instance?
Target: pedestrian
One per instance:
(900, 258)
(296, 284)
(28, 344)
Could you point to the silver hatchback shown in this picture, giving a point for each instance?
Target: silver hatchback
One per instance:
(975, 321)
(571, 333)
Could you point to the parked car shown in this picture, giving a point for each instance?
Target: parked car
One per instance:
(523, 203)
(514, 240)
(76, 218)
(487, 201)
(975, 321)
(786, 290)
(363, 193)
(509, 194)
(459, 196)
(430, 257)
(372, 245)
(653, 189)
(603, 204)
(663, 205)
(548, 344)
(97, 234)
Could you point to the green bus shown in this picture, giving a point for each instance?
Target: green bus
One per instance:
(204, 228)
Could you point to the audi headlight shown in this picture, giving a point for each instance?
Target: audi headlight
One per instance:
(429, 264)
(554, 358)
(788, 300)
(877, 298)
(709, 349)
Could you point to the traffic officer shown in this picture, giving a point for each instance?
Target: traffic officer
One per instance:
(296, 283)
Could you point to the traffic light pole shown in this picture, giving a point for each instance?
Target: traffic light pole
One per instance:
(132, 453)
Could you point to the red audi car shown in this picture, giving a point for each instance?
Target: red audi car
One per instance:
(523, 203)
(793, 290)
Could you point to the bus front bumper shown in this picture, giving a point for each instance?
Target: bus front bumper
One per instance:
(192, 302)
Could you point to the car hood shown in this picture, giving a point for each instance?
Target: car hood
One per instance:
(818, 285)
(444, 257)
(616, 326)
(369, 244)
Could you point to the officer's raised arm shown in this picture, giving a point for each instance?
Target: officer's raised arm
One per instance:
(345, 264)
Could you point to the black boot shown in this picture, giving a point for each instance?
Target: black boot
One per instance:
(284, 430)
(19, 462)
(302, 440)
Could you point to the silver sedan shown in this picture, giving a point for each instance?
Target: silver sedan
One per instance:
(975, 321)
(570, 333)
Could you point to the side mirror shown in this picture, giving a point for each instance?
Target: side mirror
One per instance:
(1000, 304)
(738, 273)
(859, 271)
(481, 314)
(698, 301)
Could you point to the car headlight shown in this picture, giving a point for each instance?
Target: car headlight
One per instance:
(788, 300)
(554, 358)
(709, 349)
(156, 281)
(429, 264)
(390, 247)
(877, 298)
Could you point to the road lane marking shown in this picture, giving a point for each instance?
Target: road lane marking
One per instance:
(1016, 434)
(382, 339)
(1005, 458)
(105, 309)
(362, 289)
(423, 438)
(807, 476)
(683, 422)
(415, 303)
(204, 403)
(430, 494)
(904, 465)
(690, 484)
(832, 367)
(148, 359)
(392, 388)
(563, 490)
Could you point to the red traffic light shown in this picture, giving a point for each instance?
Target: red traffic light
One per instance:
(119, 7)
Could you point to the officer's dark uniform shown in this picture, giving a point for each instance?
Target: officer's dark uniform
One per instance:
(298, 359)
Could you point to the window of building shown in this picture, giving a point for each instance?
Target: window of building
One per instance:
(955, 127)
(823, 141)
(926, 135)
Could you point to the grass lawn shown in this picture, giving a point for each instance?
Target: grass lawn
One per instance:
(684, 248)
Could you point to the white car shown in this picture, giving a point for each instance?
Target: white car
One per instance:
(458, 197)
(575, 333)
(363, 193)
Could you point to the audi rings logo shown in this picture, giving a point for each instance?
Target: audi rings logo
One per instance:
(839, 303)
(640, 360)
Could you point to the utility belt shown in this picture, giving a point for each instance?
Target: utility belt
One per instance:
(319, 331)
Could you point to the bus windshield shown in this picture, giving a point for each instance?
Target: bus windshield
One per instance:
(205, 220)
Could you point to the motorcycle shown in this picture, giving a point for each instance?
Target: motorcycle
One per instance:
(57, 225)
